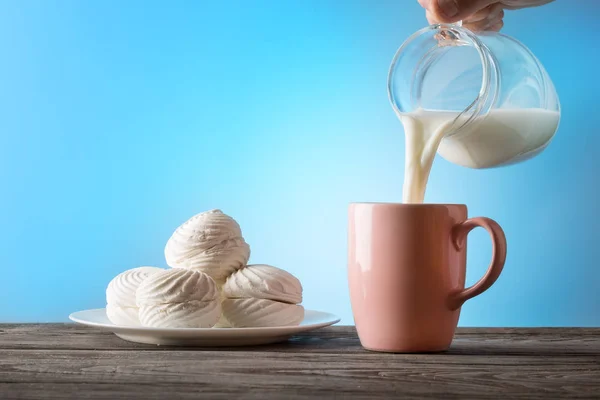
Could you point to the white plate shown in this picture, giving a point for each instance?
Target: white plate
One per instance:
(209, 337)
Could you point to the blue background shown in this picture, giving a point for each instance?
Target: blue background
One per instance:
(119, 120)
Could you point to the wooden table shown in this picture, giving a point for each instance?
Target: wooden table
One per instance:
(49, 361)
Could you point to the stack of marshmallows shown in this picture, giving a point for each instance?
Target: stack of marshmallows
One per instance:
(209, 284)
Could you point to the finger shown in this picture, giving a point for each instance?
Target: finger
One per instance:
(431, 18)
(494, 21)
(487, 22)
(488, 13)
(455, 10)
(424, 3)
(482, 26)
(496, 27)
(517, 4)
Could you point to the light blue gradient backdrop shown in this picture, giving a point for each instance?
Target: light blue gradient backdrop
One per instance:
(119, 120)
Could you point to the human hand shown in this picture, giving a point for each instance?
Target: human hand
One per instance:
(477, 15)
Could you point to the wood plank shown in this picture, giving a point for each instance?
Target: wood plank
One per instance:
(325, 375)
(548, 341)
(68, 361)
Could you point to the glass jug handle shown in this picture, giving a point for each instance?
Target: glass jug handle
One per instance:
(447, 37)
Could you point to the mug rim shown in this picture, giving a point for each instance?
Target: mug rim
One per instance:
(375, 203)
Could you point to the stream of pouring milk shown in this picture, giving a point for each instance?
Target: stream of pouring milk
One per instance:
(501, 137)
(423, 132)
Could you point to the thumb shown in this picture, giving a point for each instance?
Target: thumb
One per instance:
(456, 10)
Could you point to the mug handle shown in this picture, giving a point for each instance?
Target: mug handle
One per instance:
(459, 237)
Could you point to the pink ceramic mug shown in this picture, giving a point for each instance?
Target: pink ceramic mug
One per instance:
(406, 267)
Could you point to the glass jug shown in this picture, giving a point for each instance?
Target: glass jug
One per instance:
(500, 103)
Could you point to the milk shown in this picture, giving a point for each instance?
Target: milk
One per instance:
(423, 132)
(502, 137)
